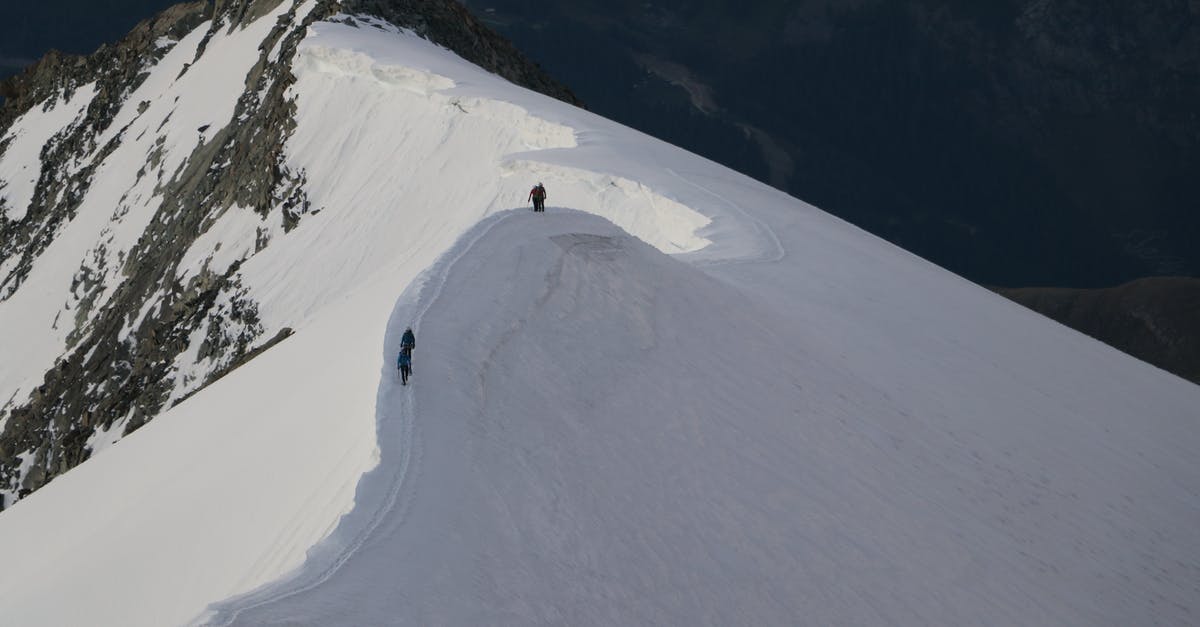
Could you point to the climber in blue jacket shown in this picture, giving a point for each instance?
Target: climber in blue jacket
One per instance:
(404, 361)
(404, 364)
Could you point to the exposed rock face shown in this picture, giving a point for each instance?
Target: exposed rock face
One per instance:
(1156, 320)
(134, 317)
(117, 71)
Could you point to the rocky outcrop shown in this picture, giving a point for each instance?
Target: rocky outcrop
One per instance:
(119, 371)
(113, 373)
(118, 67)
(1156, 319)
(116, 70)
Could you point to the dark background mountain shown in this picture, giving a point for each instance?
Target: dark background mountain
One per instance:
(1017, 142)
(29, 29)
(1153, 319)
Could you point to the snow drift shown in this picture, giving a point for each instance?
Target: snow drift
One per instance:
(704, 403)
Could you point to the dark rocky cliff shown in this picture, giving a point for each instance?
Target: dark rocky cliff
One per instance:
(1156, 320)
(118, 372)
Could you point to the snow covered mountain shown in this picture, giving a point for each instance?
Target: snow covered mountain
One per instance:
(122, 175)
(677, 397)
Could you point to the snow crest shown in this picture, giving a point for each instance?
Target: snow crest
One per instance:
(782, 420)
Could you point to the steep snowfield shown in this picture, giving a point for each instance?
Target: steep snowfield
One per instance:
(600, 434)
(783, 420)
(225, 492)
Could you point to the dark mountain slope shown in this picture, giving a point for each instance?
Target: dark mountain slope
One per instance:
(1019, 142)
(1156, 320)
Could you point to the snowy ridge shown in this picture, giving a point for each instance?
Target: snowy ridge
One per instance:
(382, 492)
(337, 270)
(400, 166)
(651, 482)
(386, 504)
(704, 403)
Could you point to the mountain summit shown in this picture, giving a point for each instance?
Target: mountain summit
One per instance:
(677, 396)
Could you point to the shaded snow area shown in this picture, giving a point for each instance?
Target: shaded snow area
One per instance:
(677, 397)
(575, 448)
(597, 433)
(221, 494)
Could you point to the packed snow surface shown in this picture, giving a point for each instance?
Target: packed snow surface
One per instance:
(597, 433)
(687, 399)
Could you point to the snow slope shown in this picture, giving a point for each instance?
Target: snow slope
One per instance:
(782, 420)
(600, 434)
(118, 207)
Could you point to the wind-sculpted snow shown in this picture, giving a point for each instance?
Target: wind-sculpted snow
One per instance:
(596, 433)
(405, 147)
(780, 420)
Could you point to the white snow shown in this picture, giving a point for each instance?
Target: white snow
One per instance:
(27, 458)
(104, 438)
(119, 205)
(21, 163)
(230, 239)
(207, 95)
(219, 495)
(598, 434)
(189, 371)
(399, 171)
(785, 420)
